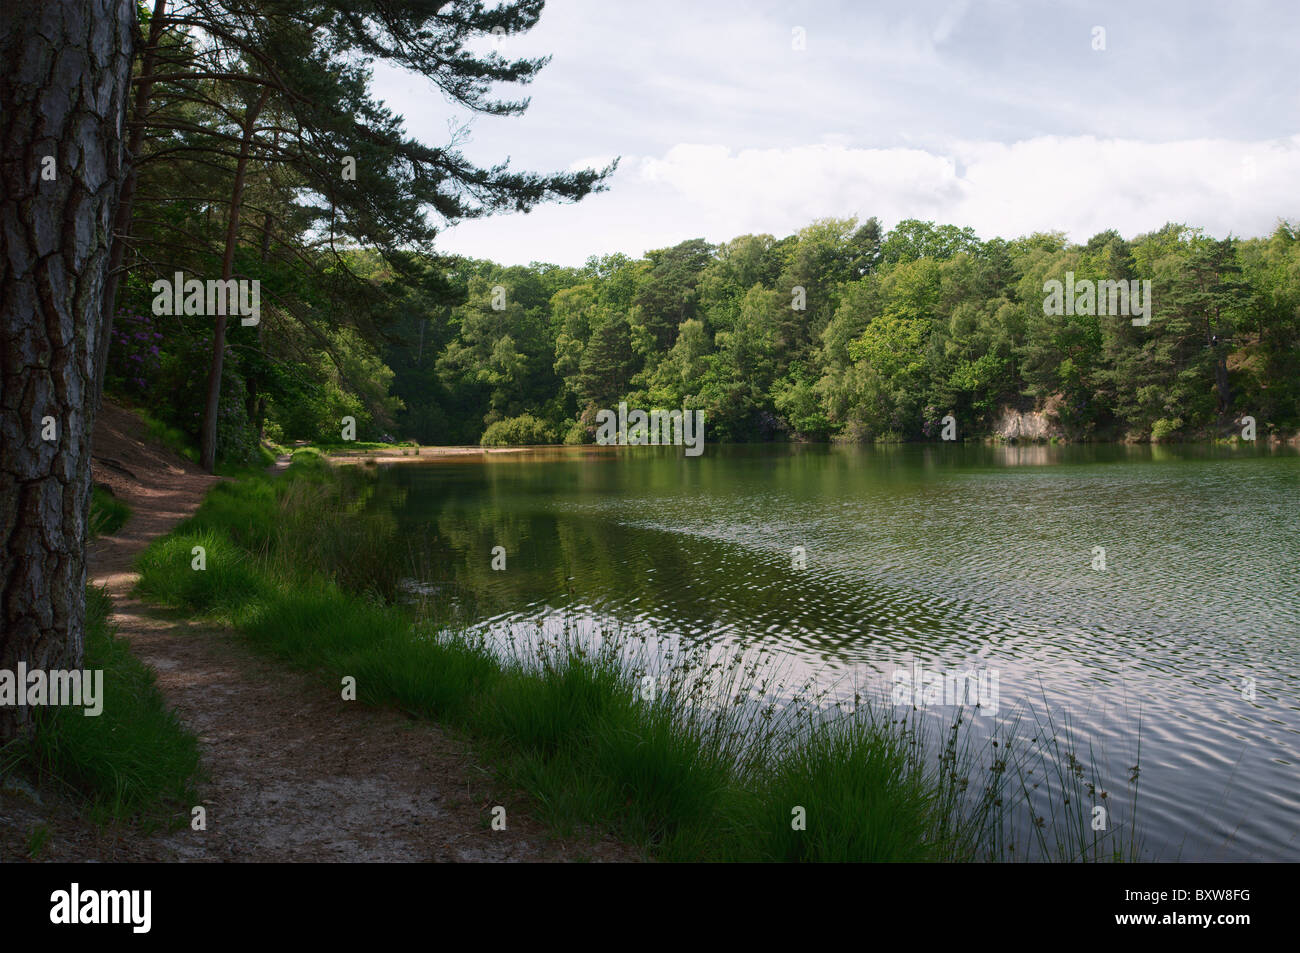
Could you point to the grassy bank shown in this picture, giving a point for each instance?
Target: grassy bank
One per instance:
(180, 443)
(108, 514)
(689, 764)
(132, 762)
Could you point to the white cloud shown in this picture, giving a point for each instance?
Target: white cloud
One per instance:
(998, 115)
(1079, 184)
(950, 20)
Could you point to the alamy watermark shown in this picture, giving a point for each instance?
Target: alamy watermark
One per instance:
(239, 296)
(36, 687)
(76, 906)
(656, 428)
(1105, 297)
(916, 686)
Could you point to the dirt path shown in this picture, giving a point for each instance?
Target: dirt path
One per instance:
(295, 773)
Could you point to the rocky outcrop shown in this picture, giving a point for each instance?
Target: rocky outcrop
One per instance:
(1014, 425)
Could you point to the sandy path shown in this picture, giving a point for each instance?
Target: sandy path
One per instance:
(294, 772)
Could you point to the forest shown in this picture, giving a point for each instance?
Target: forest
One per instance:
(842, 331)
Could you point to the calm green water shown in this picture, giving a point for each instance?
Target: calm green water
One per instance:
(952, 557)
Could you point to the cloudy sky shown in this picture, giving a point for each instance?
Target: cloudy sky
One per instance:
(998, 114)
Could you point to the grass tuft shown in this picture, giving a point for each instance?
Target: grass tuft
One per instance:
(132, 762)
(108, 514)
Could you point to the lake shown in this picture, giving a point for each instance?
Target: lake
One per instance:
(1149, 594)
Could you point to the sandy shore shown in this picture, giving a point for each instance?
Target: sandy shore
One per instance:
(417, 454)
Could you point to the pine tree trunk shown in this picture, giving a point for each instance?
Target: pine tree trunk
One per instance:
(208, 445)
(122, 222)
(253, 381)
(1222, 384)
(63, 94)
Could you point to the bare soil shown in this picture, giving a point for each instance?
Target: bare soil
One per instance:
(294, 773)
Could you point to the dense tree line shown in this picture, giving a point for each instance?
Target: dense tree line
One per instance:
(844, 331)
(841, 331)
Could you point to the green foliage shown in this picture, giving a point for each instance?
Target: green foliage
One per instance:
(838, 332)
(107, 513)
(577, 434)
(173, 438)
(873, 802)
(796, 400)
(337, 208)
(523, 430)
(1163, 429)
(898, 331)
(237, 441)
(912, 239)
(169, 573)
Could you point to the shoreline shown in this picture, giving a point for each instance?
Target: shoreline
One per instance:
(346, 457)
(401, 791)
(664, 777)
(431, 452)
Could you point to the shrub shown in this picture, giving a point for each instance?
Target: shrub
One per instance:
(1164, 428)
(577, 434)
(518, 431)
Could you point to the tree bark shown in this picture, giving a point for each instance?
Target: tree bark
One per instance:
(63, 94)
(208, 447)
